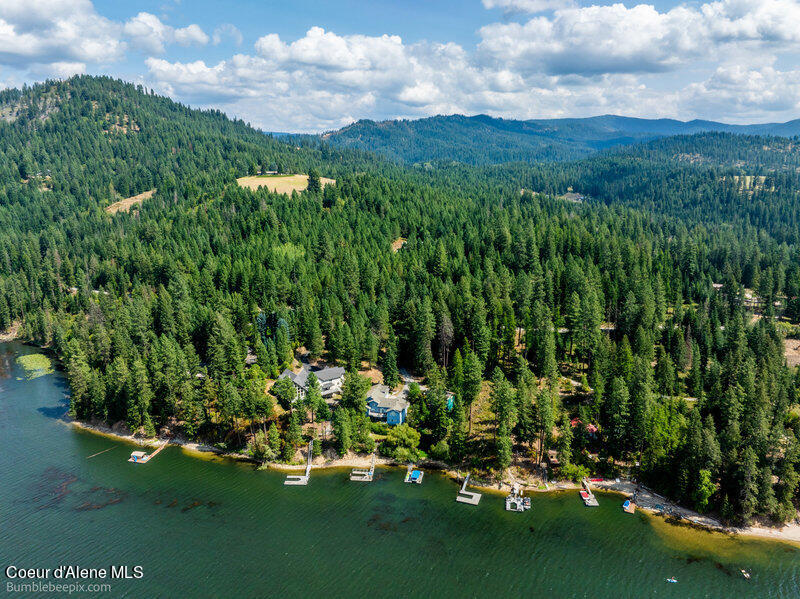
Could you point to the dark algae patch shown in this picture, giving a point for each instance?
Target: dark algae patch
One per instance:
(52, 487)
(101, 497)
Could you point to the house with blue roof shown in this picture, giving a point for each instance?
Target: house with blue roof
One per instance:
(383, 405)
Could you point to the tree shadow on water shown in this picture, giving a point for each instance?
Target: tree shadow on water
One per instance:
(60, 410)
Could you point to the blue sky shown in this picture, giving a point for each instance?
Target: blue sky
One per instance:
(313, 66)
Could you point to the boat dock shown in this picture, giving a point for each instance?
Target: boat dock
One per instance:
(465, 496)
(140, 457)
(297, 479)
(515, 502)
(414, 476)
(586, 494)
(364, 476)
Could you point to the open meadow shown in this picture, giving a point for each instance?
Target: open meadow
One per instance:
(280, 183)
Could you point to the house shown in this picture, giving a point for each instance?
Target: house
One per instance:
(330, 380)
(383, 405)
(591, 429)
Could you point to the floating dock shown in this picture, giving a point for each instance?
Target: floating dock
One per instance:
(515, 502)
(629, 507)
(465, 496)
(414, 476)
(586, 494)
(297, 479)
(364, 476)
(140, 457)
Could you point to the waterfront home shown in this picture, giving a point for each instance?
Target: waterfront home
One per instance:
(330, 380)
(383, 405)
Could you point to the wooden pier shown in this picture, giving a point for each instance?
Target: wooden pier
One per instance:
(364, 476)
(297, 479)
(140, 457)
(465, 496)
(586, 494)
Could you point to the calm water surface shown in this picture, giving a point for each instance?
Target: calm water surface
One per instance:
(216, 528)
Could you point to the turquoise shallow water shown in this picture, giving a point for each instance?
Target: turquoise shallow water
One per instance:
(217, 528)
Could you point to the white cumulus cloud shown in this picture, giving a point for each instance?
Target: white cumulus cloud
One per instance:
(34, 33)
(148, 33)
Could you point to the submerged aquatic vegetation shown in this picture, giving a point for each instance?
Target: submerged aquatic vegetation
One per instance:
(35, 365)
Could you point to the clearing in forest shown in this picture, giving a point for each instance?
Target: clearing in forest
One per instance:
(280, 183)
(792, 351)
(128, 203)
(398, 243)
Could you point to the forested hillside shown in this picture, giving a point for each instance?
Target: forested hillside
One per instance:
(74, 146)
(482, 139)
(721, 178)
(627, 311)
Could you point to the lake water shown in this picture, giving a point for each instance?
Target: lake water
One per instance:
(217, 528)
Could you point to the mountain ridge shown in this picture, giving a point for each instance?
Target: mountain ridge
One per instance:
(482, 139)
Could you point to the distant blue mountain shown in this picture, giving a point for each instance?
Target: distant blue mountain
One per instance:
(482, 139)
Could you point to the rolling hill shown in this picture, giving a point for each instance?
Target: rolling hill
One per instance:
(483, 139)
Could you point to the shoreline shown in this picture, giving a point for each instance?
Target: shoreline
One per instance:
(11, 333)
(647, 501)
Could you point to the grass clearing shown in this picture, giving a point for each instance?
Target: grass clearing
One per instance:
(128, 203)
(280, 183)
(792, 351)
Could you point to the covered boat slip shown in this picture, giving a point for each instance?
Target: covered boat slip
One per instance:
(142, 457)
(413, 476)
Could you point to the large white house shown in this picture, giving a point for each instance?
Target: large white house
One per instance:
(330, 380)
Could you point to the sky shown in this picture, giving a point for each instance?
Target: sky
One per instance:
(305, 66)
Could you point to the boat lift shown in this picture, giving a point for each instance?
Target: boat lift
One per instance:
(364, 476)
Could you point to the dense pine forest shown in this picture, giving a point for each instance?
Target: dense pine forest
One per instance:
(636, 330)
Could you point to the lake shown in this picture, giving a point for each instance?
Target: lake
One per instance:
(218, 528)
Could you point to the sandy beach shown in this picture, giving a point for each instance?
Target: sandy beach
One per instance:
(656, 504)
(11, 333)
